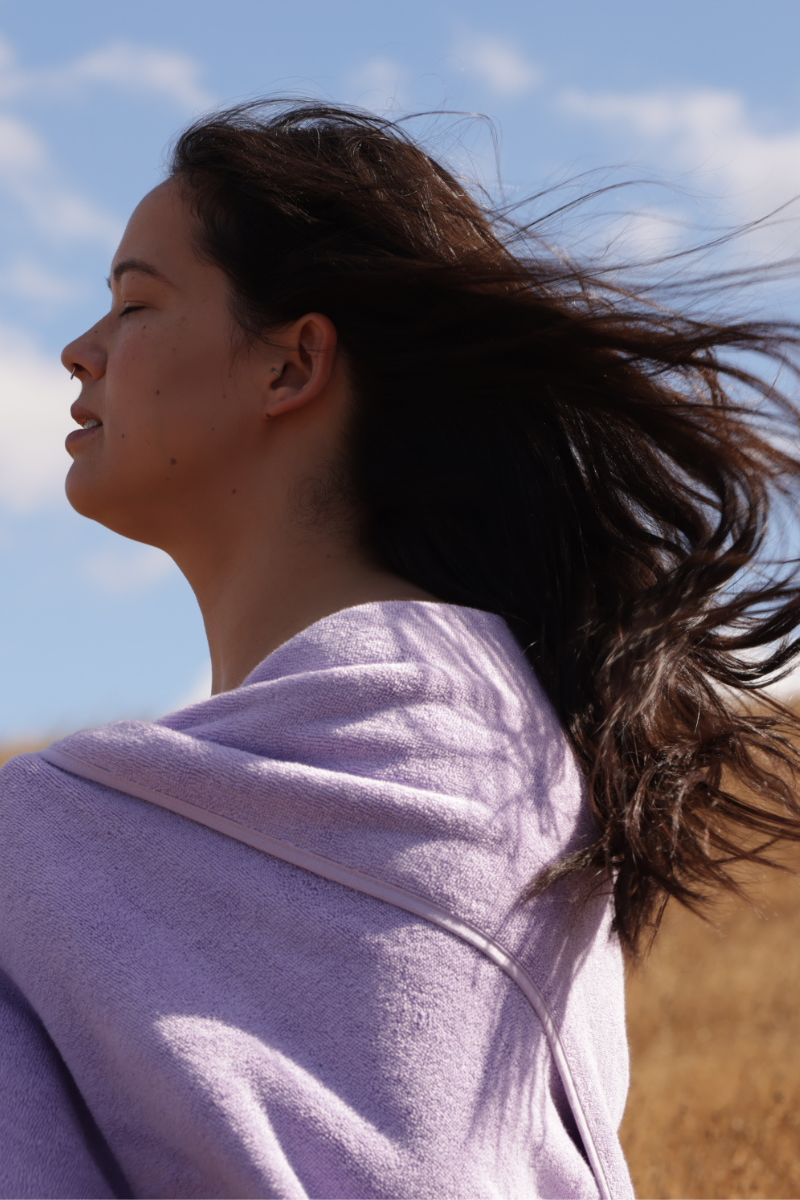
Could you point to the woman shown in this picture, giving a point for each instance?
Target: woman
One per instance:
(457, 520)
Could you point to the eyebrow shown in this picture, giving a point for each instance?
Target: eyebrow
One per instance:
(135, 264)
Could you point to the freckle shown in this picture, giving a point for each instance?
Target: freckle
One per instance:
(233, 491)
(158, 391)
(173, 462)
(122, 435)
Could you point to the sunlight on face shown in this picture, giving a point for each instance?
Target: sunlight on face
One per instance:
(178, 408)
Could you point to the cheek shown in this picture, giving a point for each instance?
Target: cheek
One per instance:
(151, 370)
(172, 396)
(174, 427)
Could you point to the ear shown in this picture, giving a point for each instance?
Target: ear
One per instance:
(301, 361)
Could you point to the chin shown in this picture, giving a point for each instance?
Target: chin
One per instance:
(93, 502)
(82, 498)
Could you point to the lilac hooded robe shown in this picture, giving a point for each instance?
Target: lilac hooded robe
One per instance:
(267, 945)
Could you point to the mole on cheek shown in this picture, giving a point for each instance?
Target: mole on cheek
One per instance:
(158, 391)
(173, 462)
(233, 491)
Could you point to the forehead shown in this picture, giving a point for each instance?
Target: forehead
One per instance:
(160, 231)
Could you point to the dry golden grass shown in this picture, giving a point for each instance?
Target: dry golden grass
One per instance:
(714, 1029)
(714, 1026)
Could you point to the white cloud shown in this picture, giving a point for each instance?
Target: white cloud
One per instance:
(32, 281)
(380, 83)
(710, 134)
(27, 173)
(127, 569)
(699, 112)
(650, 232)
(29, 178)
(59, 213)
(495, 62)
(170, 74)
(35, 395)
(21, 149)
(125, 65)
(7, 55)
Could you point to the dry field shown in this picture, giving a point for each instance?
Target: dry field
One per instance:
(714, 1026)
(714, 1031)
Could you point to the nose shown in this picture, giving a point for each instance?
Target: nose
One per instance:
(85, 356)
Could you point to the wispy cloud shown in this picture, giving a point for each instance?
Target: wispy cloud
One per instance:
(650, 232)
(21, 148)
(128, 66)
(711, 134)
(60, 213)
(127, 568)
(699, 112)
(170, 74)
(34, 391)
(29, 177)
(31, 281)
(495, 62)
(381, 84)
(35, 395)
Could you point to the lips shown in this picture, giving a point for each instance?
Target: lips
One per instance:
(81, 414)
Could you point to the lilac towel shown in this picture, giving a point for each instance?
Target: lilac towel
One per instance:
(348, 1006)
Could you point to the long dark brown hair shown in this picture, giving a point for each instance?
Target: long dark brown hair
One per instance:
(535, 438)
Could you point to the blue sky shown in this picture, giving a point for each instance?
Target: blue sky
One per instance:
(703, 99)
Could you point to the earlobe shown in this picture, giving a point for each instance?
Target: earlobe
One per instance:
(293, 399)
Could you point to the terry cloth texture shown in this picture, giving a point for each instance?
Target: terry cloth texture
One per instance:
(351, 1005)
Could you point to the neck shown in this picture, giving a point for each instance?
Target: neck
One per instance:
(254, 598)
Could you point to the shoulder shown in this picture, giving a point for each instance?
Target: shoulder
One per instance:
(392, 652)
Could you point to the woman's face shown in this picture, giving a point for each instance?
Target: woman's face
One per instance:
(180, 410)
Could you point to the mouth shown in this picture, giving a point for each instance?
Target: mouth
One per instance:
(84, 416)
(89, 430)
(89, 424)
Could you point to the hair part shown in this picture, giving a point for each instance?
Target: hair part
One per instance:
(579, 466)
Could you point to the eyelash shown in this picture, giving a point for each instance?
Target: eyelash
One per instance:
(132, 308)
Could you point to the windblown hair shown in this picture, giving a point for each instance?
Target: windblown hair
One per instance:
(533, 439)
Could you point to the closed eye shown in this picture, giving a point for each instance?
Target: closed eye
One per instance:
(130, 309)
